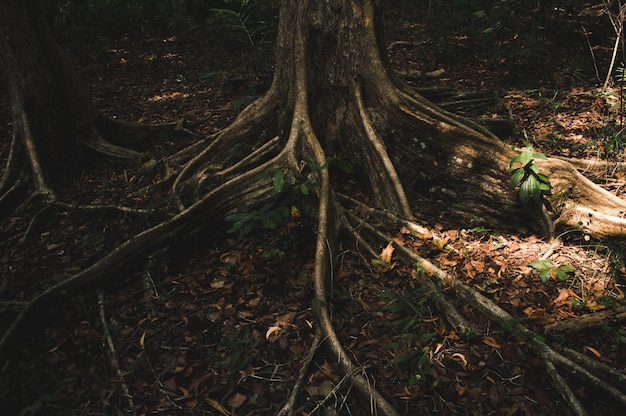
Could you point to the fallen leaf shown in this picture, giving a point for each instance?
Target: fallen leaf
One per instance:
(217, 406)
(563, 296)
(594, 351)
(326, 388)
(271, 330)
(491, 341)
(440, 243)
(385, 255)
(237, 400)
(460, 358)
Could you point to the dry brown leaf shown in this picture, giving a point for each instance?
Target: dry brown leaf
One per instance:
(593, 351)
(217, 406)
(192, 403)
(440, 242)
(460, 358)
(385, 255)
(491, 341)
(236, 400)
(562, 298)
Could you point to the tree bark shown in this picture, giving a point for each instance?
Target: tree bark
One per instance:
(54, 119)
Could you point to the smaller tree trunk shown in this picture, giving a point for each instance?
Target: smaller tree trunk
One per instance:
(54, 119)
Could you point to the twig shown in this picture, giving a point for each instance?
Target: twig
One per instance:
(593, 55)
(345, 378)
(287, 408)
(106, 334)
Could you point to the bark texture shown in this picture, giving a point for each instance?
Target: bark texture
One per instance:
(55, 123)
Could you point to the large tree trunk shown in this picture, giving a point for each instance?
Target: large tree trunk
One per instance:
(54, 120)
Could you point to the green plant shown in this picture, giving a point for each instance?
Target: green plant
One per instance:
(247, 27)
(613, 138)
(268, 217)
(242, 349)
(548, 270)
(406, 312)
(525, 177)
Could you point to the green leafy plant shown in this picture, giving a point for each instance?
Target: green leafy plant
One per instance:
(525, 177)
(612, 137)
(548, 270)
(407, 312)
(411, 345)
(268, 217)
(242, 348)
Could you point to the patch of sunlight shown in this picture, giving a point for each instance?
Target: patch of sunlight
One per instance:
(168, 96)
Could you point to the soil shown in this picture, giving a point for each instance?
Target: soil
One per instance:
(221, 325)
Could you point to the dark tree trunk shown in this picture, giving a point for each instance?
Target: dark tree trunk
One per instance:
(54, 119)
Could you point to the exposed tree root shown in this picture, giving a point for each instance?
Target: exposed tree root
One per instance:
(588, 322)
(581, 204)
(249, 187)
(51, 206)
(586, 373)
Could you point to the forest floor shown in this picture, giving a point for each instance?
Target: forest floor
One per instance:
(222, 326)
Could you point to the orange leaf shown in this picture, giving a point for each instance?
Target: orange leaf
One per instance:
(385, 255)
(563, 295)
(440, 243)
(491, 341)
(142, 340)
(594, 351)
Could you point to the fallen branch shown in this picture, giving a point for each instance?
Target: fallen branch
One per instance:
(587, 322)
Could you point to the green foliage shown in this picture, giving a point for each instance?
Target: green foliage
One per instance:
(113, 16)
(410, 344)
(268, 217)
(620, 335)
(241, 348)
(548, 270)
(249, 23)
(526, 179)
(611, 138)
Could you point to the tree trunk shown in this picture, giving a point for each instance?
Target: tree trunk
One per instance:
(332, 77)
(54, 119)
